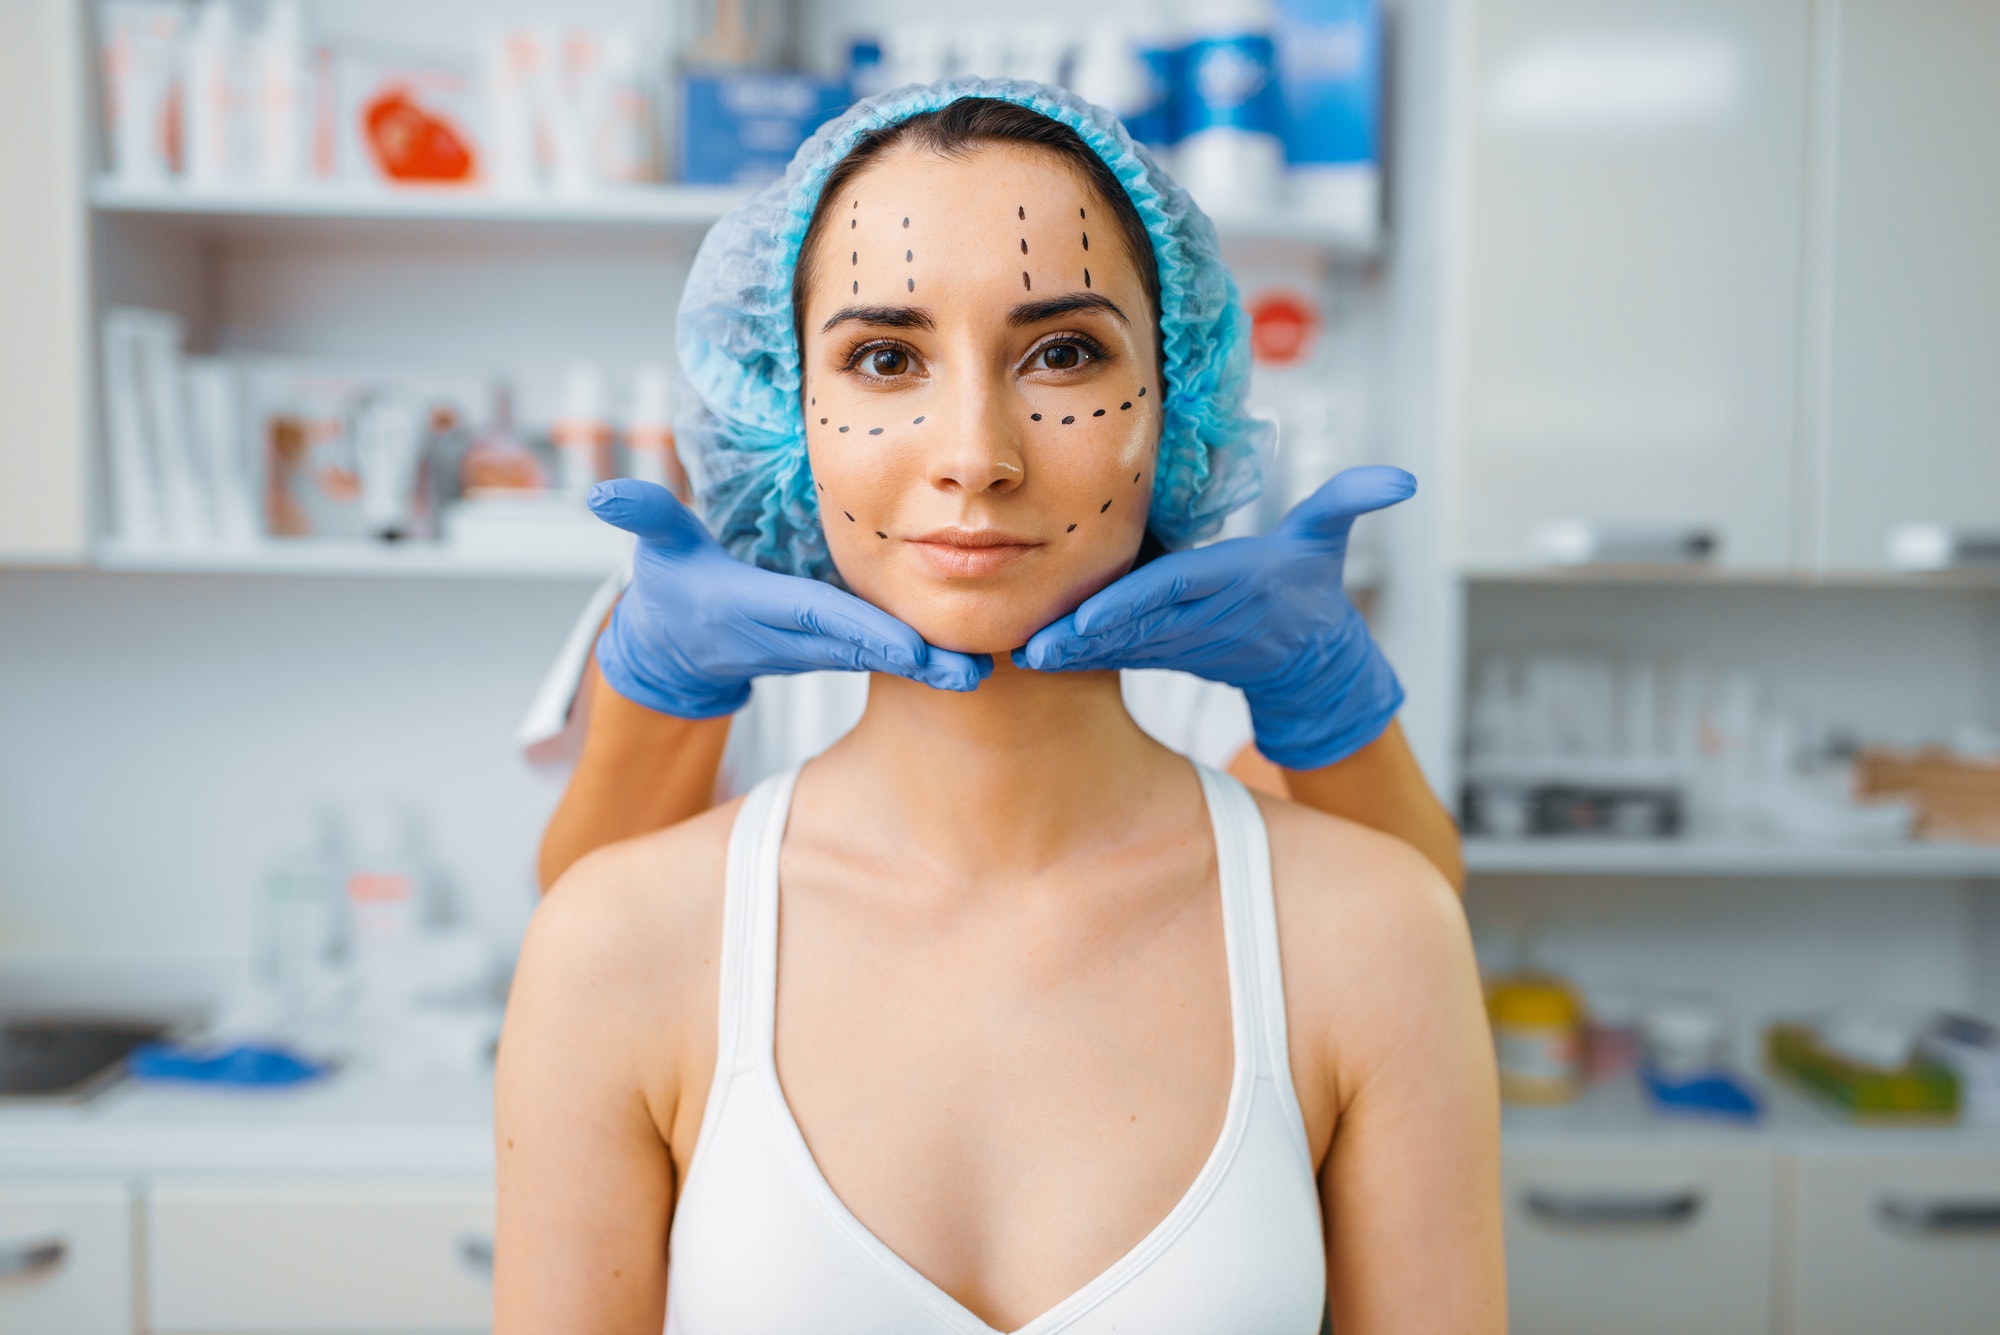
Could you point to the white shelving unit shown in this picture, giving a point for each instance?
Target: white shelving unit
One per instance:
(1745, 858)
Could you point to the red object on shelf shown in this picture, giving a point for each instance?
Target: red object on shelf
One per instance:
(412, 144)
(1283, 324)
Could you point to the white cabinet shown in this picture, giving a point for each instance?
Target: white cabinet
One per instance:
(1886, 1242)
(65, 1256)
(1910, 273)
(44, 340)
(1634, 177)
(1639, 1239)
(230, 1254)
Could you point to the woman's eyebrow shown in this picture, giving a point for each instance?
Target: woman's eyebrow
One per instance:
(1034, 312)
(895, 317)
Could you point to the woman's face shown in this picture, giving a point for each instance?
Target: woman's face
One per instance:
(982, 393)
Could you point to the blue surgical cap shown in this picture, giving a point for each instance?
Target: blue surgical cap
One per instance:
(743, 437)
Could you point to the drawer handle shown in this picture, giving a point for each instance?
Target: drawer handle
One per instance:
(1624, 542)
(1931, 547)
(33, 1258)
(475, 1252)
(1940, 1217)
(1614, 1209)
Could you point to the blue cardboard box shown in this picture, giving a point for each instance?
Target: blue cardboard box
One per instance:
(742, 129)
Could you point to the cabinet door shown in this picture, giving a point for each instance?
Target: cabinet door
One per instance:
(44, 343)
(1902, 1243)
(1635, 176)
(1639, 1240)
(1912, 397)
(65, 1257)
(228, 1254)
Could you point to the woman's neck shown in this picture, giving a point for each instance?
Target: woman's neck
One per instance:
(1003, 781)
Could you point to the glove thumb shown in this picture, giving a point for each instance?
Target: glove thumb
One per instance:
(649, 512)
(1331, 511)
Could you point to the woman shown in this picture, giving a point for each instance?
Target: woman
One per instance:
(997, 1016)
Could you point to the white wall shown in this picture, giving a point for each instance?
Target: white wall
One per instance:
(162, 737)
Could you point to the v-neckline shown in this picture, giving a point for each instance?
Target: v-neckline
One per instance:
(962, 1319)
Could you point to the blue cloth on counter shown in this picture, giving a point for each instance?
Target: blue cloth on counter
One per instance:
(1713, 1093)
(242, 1064)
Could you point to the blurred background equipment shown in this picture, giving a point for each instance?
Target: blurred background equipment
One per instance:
(318, 314)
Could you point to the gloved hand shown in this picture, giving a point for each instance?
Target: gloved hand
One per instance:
(696, 624)
(1264, 614)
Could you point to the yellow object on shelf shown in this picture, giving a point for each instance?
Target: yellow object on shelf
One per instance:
(1538, 1038)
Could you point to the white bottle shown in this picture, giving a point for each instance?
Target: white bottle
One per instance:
(511, 61)
(210, 101)
(278, 72)
(1231, 153)
(649, 431)
(582, 435)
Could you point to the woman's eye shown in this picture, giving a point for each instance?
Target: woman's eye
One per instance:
(1062, 357)
(888, 361)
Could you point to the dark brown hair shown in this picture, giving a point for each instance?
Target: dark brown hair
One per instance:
(954, 131)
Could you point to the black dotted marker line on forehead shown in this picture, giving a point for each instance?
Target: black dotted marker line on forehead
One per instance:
(874, 430)
(1123, 406)
(822, 421)
(909, 284)
(857, 287)
(1086, 241)
(1034, 417)
(1086, 278)
(854, 257)
(1080, 213)
(1024, 245)
(906, 222)
(1135, 477)
(854, 222)
(850, 518)
(1021, 212)
(1142, 391)
(1067, 420)
(917, 422)
(909, 255)
(1100, 509)
(1024, 281)
(1098, 413)
(1070, 529)
(880, 534)
(843, 429)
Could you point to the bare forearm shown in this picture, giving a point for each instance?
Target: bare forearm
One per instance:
(1380, 786)
(640, 771)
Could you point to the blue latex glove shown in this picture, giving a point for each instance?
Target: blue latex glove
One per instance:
(1265, 614)
(696, 624)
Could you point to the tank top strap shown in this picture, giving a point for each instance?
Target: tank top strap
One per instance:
(1250, 934)
(749, 964)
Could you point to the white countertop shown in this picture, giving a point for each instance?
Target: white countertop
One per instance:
(355, 1122)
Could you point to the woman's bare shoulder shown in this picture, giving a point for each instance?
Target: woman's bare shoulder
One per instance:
(1374, 942)
(635, 920)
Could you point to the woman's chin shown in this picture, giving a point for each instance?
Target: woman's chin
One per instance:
(991, 623)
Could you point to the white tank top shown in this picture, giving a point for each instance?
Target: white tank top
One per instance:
(761, 1245)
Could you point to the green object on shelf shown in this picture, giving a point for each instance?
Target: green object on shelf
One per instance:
(1921, 1090)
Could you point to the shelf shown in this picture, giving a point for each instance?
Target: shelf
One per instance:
(667, 206)
(1663, 857)
(671, 206)
(306, 556)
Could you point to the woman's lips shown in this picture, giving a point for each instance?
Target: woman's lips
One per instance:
(978, 551)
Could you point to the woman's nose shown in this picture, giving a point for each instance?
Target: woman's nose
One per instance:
(978, 450)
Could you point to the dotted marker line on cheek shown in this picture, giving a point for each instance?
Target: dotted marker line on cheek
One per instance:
(1100, 509)
(850, 518)
(1098, 413)
(1070, 529)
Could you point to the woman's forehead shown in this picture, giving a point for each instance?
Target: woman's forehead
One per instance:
(1002, 220)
